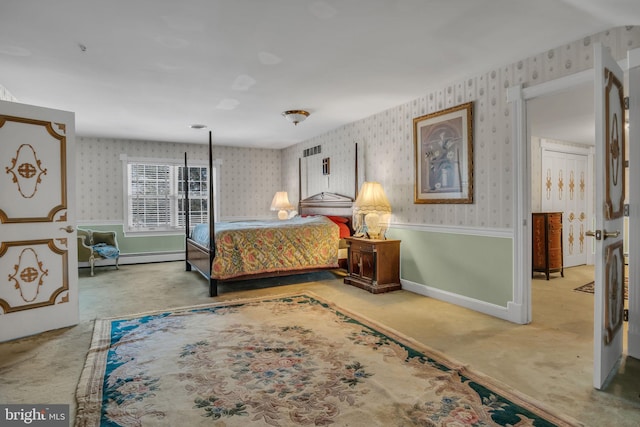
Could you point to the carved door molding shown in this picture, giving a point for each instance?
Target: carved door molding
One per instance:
(38, 174)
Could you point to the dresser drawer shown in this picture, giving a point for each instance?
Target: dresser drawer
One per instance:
(555, 258)
(554, 220)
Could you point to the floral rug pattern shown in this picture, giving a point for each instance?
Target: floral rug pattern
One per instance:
(282, 361)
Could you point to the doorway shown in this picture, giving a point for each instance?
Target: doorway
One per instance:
(561, 130)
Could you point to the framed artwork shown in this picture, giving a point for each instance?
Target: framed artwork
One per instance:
(443, 150)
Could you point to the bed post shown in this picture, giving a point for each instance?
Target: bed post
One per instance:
(213, 283)
(299, 182)
(356, 180)
(185, 179)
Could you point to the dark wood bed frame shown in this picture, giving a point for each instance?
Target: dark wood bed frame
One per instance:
(201, 258)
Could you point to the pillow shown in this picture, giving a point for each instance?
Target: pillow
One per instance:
(338, 219)
(344, 230)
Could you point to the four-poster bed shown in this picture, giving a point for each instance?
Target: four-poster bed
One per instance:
(243, 250)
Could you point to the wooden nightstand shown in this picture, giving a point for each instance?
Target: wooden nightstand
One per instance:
(373, 265)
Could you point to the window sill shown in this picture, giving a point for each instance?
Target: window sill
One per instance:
(153, 233)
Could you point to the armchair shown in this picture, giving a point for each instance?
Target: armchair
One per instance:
(95, 245)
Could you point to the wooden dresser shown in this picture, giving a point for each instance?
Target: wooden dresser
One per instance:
(547, 243)
(373, 265)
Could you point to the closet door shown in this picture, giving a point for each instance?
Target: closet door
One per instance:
(564, 189)
(576, 210)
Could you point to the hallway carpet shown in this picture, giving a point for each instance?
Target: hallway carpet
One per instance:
(549, 359)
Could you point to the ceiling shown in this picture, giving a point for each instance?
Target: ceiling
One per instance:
(148, 69)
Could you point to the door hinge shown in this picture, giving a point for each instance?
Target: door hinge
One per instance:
(625, 315)
(626, 102)
(626, 209)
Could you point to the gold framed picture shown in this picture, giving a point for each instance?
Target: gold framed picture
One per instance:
(443, 150)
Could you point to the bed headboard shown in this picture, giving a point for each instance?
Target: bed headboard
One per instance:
(326, 204)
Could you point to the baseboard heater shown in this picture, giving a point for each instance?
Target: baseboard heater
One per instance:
(140, 258)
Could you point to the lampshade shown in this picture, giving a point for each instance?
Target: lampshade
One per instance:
(296, 116)
(371, 211)
(281, 204)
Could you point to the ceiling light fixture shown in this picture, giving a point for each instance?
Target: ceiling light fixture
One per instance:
(197, 126)
(295, 116)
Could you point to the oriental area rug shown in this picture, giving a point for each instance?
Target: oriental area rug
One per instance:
(286, 360)
(589, 288)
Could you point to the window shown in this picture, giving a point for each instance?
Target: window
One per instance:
(198, 195)
(155, 195)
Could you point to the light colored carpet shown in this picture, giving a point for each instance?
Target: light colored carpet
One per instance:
(289, 360)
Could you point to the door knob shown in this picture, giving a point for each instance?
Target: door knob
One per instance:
(598, 234)
(68, 229)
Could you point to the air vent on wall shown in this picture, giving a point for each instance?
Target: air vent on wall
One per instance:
(313, 150)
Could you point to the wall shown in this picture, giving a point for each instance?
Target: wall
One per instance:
(387, 140)
(249, 177)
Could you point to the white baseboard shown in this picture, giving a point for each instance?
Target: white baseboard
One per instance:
(140, 258)
(511, 313)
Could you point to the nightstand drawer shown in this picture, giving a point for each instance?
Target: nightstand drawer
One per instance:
(363, 247)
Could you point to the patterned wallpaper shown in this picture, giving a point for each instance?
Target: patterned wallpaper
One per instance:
(246, 191)
(387, 137)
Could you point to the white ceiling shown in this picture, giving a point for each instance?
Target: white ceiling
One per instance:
(153, 67)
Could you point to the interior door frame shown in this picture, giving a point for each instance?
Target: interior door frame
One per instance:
(633, 336)
(518, 96)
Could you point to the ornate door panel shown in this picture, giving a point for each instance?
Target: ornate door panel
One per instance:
(38, 260)
(608, 235)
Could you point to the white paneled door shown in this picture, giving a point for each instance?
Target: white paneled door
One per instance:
(38, 251)
(609, 216)
(565, 188)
